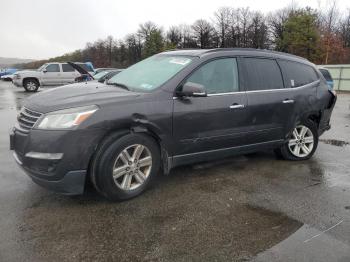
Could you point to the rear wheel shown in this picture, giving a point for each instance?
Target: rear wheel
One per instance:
(125, 167)
(301, 144)
(31, 85)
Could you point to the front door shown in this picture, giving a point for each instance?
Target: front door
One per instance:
(218, 121)
(51, 75)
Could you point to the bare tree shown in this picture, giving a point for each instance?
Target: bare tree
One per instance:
(276, 23)
(174, 35)
(345, 29)
(258, 31)
(329, 22)
(146, 29)
(222, 20)
(203, 31)
(244, 23)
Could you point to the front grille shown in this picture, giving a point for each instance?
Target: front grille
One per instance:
(27, 119)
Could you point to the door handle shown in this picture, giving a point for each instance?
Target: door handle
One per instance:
(236, 106)
(288, 101)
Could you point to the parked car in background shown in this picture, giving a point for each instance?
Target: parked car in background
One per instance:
(106, 75)
(8, 71)
(49, 74)
(327, 75)
(171, 109)
(98, 70)
(7, 77)
(100, 77)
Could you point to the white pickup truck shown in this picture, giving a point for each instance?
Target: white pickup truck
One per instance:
(49, 74)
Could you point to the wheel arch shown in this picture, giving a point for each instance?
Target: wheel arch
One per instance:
(30, 78)
(138, 129)
(314, 116)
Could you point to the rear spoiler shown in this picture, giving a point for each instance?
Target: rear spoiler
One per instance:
(81, 70)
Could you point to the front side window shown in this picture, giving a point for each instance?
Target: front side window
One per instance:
(261, 74)
(217, 76)
(151, 73)
(53, 68)
(297, 74)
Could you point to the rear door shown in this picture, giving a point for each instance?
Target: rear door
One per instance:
(51, 75)
(218, 121)
(301, 81)
(68, 74)
(270, 105)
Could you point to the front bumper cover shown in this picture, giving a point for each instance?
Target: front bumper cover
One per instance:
(72, 183)
(56, 160)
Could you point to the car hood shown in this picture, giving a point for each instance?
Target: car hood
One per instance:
(79, 94)
(81, 70)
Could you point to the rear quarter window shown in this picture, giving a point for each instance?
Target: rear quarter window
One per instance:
(297, 74)
(326, 74)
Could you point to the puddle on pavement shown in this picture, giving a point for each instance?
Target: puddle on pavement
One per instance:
(149, 229)
(334, 142)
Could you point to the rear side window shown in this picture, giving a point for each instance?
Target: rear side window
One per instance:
(217, 76)
(67, 68)
(53, 68)
(297, 74)
(261, 74)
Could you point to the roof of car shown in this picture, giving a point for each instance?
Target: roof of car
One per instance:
(234, 51)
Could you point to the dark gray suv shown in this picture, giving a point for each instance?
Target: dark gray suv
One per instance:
(174, 108)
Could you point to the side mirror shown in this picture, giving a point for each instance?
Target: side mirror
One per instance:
(44, 70)
(192, 89)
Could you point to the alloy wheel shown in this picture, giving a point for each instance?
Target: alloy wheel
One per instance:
(132, 167)
(31, 86)
(301, 142)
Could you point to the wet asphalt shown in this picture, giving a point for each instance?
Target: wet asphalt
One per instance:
(245, 208)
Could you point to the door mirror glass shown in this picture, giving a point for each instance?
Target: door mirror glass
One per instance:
(192, 89)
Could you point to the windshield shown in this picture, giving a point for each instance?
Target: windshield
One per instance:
(42, 67)
(151, 73)
(100, 74)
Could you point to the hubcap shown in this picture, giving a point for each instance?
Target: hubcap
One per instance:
(301, 142)
(132, 167)
(31, 86)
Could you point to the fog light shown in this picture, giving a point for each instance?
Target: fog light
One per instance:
(45, 156)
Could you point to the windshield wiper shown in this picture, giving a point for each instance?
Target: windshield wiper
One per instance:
(120, 85)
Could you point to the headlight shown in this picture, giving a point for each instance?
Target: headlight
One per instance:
(67, 118)
(16, 76)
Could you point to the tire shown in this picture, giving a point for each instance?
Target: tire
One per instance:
(302, 143)
(31, 85)
(115, 171)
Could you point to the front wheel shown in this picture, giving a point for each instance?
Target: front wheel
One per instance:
(302, 143)
(31, 85)
(125, 167)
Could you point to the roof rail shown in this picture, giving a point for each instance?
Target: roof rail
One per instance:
(253, 49)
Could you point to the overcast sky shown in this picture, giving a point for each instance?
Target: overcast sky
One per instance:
(46, 28)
